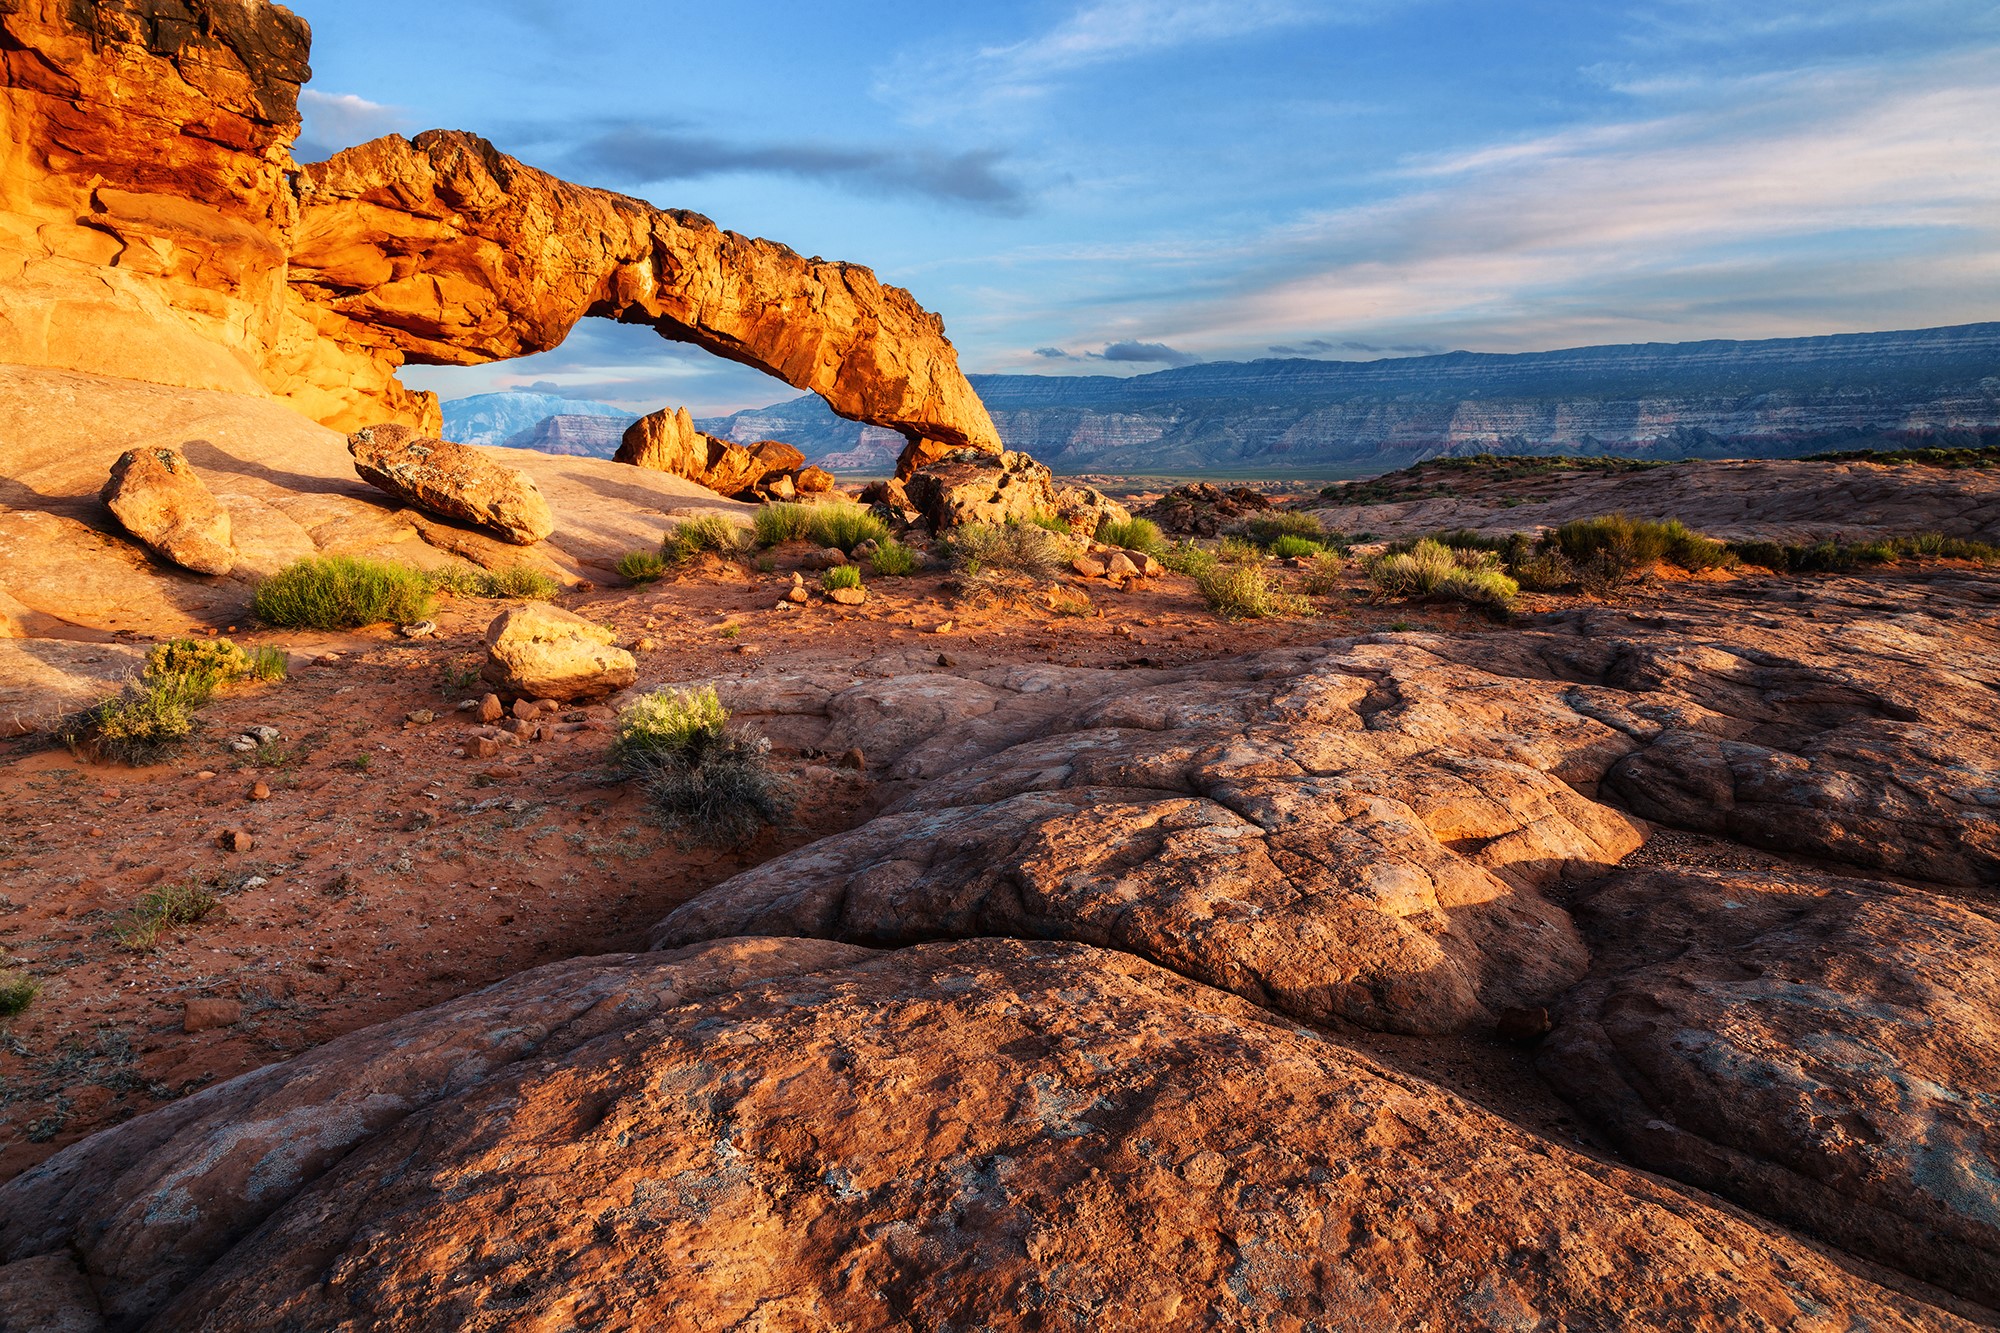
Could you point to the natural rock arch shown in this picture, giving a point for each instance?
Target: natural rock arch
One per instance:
(444, 250)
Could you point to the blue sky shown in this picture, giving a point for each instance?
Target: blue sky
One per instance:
(1115, 186)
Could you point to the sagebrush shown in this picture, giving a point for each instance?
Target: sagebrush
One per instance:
(701, 780)
(342, 592)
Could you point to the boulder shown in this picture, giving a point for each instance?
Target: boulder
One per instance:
(784, 1133)
(544, 652)
(1009, 488)
(1085, 509)
(666, 441)
(156, 496)
(1201, 509)
(776, 456)
(452, 481)
(815, 481)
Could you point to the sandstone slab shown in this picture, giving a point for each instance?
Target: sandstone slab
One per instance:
(1822, 1050)
(157, 497)
(972, 1134)
(451, 481)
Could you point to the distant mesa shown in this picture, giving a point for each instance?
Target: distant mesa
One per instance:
(161, 231)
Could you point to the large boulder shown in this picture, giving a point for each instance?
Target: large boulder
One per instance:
(666, 441)
(544, 652)
(452, 481)
(155, 494)
(1007, 488)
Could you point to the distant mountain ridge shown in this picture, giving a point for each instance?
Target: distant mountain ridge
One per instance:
(1765, 398)
(521, 420)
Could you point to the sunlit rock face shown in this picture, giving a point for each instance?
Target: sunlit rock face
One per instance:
(154, 226)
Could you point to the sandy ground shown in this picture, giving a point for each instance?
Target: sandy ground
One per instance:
(386, 872)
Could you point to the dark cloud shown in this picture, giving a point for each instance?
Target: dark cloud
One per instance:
(633, 155)
(1320, 346)
(1055, 354)
(1147, 353)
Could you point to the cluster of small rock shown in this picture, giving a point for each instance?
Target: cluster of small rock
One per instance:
(666, 441)
(1202, 510)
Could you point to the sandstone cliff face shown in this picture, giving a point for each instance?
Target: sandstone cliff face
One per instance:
(153, 226)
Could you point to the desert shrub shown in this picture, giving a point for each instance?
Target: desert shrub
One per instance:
(892, 559)
(682, 724)
(167, 908)
(1133, 534)
(1053, 523)
(267, 663)
(1289, 547)
(1245, 592)
(1543, 571)
(1609, 550)
(841, 576)
(197, 666)
(642, 566)
(1432, 569)
(1265, 529)
(1186, 557)
(1065, 601)
(845, 526)
(1836, 554)
(700, 780)
(692, 536)
(1322, 576)
(981, 552)
(776, 524)
(342, 592)
(518, 581)
(1237, 551)
(17, 991)
(141, 724)
(1689, 550)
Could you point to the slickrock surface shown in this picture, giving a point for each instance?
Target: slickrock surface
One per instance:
(157, 497)
(453, 481)
(153, 225)
(1822, 1050)
(1005, 1133)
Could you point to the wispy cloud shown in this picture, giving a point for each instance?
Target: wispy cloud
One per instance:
(1849, 197)
(639, 155)
(933, 85)
(333, 121)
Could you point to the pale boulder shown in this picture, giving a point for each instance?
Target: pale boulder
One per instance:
(451, 481)
(156, 496)
(544, 652)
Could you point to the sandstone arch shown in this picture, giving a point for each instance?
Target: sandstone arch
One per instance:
(445, 251)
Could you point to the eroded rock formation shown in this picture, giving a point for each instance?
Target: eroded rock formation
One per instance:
(154, 226)
(157, 497)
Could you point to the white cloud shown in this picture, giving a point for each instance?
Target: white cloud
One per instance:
(1836, 202)
(334, 121)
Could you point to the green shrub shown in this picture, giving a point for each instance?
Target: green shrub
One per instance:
(681, 724)
(1689, 550)
(1836, 554)
(1187, 557)
(342, 592)
(982, 553)
(1236, 551)
(841, 576)
(1432, 569)
(267, 663)
(891, 559)
(1612, 549)
(1289, 547)
(197, 667)
(699, 779)
(776, 524)
(642, 566)
(1053, 523)
(1543, 571)
(169, 907)
(1244, 592)
(1133, 534)
(1323, 575)
(692, 536)
(845, 526)
(1265, 529)
(518, 581)
(141, 724)
(17, 991)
